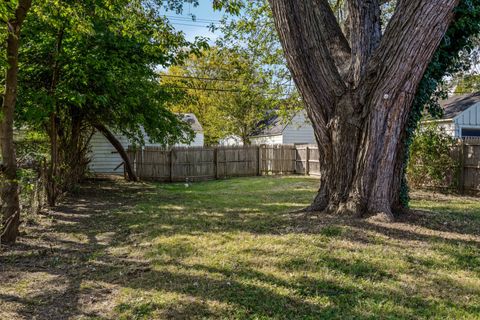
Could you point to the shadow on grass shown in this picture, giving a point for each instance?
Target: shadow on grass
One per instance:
(220, 207)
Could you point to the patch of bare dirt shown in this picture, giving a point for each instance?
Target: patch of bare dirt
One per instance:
(58, 268)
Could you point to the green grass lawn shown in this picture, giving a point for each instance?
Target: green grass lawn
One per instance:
(233, 249)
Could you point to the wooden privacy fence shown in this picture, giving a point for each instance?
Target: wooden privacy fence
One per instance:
(194, 163)
(208, 163)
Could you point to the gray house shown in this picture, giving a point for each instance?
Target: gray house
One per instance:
(297, 130)
(461, 115)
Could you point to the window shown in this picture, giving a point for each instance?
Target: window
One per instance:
(470, 132)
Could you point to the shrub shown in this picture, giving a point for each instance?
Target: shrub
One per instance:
(433, 159)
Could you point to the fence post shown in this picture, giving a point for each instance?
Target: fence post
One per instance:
(134, 155)
(259, 159)
(215, 159)
(125, 170)
(171, 165)
(461, 180)
(294, 150)
(307, 162)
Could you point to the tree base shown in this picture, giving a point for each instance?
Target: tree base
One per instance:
(382, 217)
(355, 208)
(9, 232)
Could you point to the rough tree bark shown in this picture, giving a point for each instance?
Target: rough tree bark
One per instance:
(10, 207)
(120, 149)
(359, 91)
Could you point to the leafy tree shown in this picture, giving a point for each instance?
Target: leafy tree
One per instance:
(64, 22)
(359, 85)
(96, 69)
(226, 92)
(468, 84)
(253, 32)
(9, 199)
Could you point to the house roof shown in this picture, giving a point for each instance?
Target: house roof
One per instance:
(192, 120)
(455, 105)
(273, 125)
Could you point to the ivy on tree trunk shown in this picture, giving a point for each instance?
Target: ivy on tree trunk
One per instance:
(359, 91)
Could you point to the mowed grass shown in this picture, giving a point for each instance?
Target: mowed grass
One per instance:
(234, 249)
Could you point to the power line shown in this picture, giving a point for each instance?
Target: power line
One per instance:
(201, 89)
(216, 90)
(189, 25)
(190, 19)
(198, 78)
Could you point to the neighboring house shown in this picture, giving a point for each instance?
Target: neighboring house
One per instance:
(106, 160)
(231, 141)
(461, 115)
(297, 130)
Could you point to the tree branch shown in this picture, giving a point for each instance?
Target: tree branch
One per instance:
(409, 42)
(365, 34)
(120, 149)
(310, 34)
(333, 36)
(21, 12)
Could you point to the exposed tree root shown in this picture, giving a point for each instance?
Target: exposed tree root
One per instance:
(382, 217)
(355, 209)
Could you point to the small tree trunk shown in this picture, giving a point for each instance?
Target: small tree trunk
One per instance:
(52, 189)
(10, 207)
(10, 201)
(246, 140)
(120, 149)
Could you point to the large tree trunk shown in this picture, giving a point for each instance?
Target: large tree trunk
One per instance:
(359, 91)
(120, 149)
(10, 207)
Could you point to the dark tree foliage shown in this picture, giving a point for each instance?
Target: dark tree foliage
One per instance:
(94, 64)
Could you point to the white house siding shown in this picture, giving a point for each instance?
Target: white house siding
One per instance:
(300, 130)
(104, 157)
(198, 141)
(231, 141)
(470, 119)
(277, 139)
(448, 127)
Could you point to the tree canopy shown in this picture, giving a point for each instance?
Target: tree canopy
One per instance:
(226, 92)
(82, 65)
(101, 65)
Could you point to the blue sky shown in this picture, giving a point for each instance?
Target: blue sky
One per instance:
(204, 15)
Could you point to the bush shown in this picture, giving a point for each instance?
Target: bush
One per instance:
(31, 150)
(433, 159)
